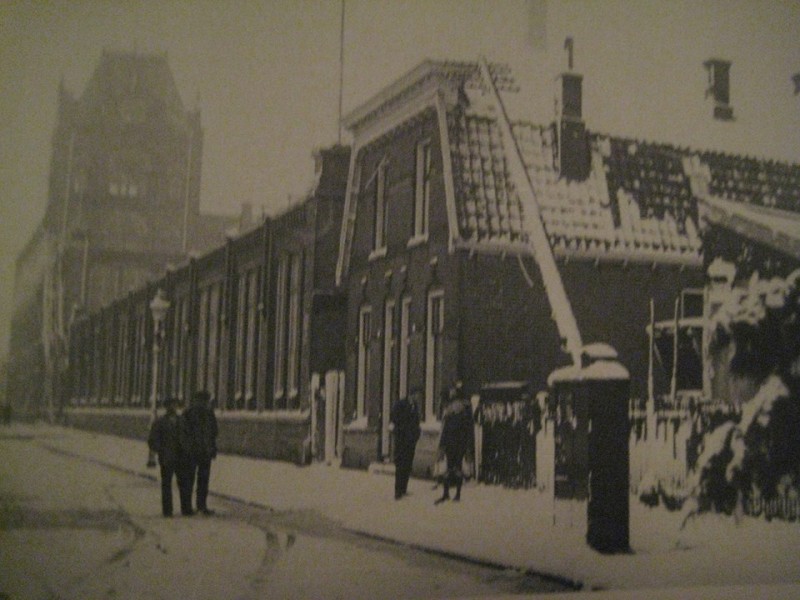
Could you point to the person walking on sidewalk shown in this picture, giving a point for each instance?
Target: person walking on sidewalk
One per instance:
(455, 443)
(405, 418)
(201, 428)
(168, 440)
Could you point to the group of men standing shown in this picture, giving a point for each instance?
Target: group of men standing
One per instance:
(186, 444)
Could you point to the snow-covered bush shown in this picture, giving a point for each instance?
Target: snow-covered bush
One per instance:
(756, 455)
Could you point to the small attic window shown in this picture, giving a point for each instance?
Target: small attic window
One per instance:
(719, 87)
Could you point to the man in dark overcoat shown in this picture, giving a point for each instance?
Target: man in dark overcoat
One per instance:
(168, 440)
(405, 418)
(201, 428)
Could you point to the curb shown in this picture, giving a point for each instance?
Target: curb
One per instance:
(565, 581)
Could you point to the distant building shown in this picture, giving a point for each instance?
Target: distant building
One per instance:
(123, 203)
(251, 321)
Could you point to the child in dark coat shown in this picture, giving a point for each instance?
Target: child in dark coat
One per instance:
(455, 443)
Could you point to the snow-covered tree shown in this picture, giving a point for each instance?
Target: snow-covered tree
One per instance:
(756, 455)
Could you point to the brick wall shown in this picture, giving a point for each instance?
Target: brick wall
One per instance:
(611, 302)
(506, 332)
(269, 438)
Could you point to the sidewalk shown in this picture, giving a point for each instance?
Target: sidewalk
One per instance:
(492, 525)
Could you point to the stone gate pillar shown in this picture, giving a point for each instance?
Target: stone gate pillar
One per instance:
(591, 444)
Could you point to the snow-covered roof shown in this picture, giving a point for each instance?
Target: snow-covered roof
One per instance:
(637, 201)
(773, 227)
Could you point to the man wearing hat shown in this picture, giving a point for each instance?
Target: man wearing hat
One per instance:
(168, 440)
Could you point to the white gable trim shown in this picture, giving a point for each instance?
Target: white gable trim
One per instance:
(395, 115)
(379, 102)
(447, 168)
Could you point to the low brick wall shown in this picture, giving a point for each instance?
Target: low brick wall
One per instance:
(270, 438)
(129, 423)
(361, 449)
(273, 437)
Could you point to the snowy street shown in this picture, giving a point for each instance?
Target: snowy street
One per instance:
(72, 528)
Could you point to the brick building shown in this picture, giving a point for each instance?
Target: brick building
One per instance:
(123, 203)
(479, 246)
(249, 321)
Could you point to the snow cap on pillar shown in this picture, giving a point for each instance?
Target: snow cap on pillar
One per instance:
(598, 361)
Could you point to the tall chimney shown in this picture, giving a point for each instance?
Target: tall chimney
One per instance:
(573, 143)
(719, 87)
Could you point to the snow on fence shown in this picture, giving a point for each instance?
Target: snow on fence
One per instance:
(786, 507)
(659, 451)
(665, 441)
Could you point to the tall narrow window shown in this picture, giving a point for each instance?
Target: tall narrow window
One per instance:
(136, 342)
(433, 354)
(183, 359)
(119, 363)
(213, 339)
(381, 210)
(388, 372)
(241, 338)
(362, 381)
(295, 325)
(177, 346)
(422, 188)
(250, 350)
(202, 339)
(140, 376)
(125, 358)
(280, 327)
(405, 338)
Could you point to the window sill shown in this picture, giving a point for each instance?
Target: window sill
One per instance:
(377, 253)
(417, 240)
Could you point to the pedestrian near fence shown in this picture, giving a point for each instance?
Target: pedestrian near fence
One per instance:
(201, 428)
(168, 440)
(455, 444)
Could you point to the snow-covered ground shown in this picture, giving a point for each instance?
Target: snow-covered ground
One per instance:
(513, 528)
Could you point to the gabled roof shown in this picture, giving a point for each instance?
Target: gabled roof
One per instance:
(639, 201)
(145, 78)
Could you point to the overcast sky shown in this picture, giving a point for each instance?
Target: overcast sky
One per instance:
(266, 78)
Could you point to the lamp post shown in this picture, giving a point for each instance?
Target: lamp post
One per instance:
(159, 306)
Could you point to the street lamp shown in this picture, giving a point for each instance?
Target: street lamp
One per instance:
(159, 306)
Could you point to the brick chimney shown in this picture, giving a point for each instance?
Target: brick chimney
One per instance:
(573, 143)
(719, 87)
